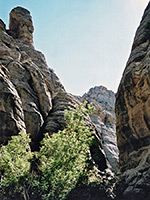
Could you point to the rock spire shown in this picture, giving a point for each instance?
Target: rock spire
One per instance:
(21, 25)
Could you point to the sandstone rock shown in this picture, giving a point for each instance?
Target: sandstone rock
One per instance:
(42, 96)
(2, 26)
(21, 26)
(11, 112)
(36, 85)
(133, 116)
(55, 120)
(51, 79)
(33, 99)
(104, 120)
(8, 47)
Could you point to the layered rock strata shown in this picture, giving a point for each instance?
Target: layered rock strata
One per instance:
(133, 117)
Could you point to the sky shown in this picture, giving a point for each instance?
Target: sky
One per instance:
(86, 42)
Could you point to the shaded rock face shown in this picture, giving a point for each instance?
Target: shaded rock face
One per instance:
(92, 193)
(104, 120)
(2, 26)
(133, 117)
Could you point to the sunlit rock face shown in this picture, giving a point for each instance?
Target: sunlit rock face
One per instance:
(21, 26)
(104, 120)
(28, 88)
(33, 99)
(133, 117)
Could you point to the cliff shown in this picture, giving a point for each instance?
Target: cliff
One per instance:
(133, 117)
(33, 99)
(32, 96)
(104, 119)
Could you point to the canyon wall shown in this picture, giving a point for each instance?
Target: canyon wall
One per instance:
(33, 99)
(133, 117)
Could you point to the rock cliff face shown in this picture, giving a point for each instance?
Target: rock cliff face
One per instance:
(104, 120)
(33, 99)
(133, 117)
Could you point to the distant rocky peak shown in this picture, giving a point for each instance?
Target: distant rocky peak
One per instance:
(104, 119)
(21, 26)
(103, 96)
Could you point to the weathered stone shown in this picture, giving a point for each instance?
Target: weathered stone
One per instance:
(51, 79)
(33, 99)
(55, 120)
(11, 112)
(21, 26)
(104, 120)
(29, 74)
(133, 117)
(23, 82)
(2, 26)
(8, 47)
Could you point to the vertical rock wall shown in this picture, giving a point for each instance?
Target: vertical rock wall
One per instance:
(133, 117)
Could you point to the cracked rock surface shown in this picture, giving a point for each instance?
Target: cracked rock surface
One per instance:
(133, 117)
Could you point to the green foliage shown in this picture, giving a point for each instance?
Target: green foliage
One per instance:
(63, 155)
(15, 165)
(61, 163)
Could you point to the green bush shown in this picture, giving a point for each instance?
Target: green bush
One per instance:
(61, 161)
(15, 166)
(64, 156)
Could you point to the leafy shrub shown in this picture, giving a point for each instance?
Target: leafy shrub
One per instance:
(60, 165)
(15, 166)
(62, 159)
(63, 155)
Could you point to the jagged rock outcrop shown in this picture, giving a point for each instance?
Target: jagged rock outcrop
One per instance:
(133, 117)
(21, 26)
(31, 94)
(32, 97)
(104, 120)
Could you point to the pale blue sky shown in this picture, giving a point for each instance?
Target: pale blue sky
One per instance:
(86, 42)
